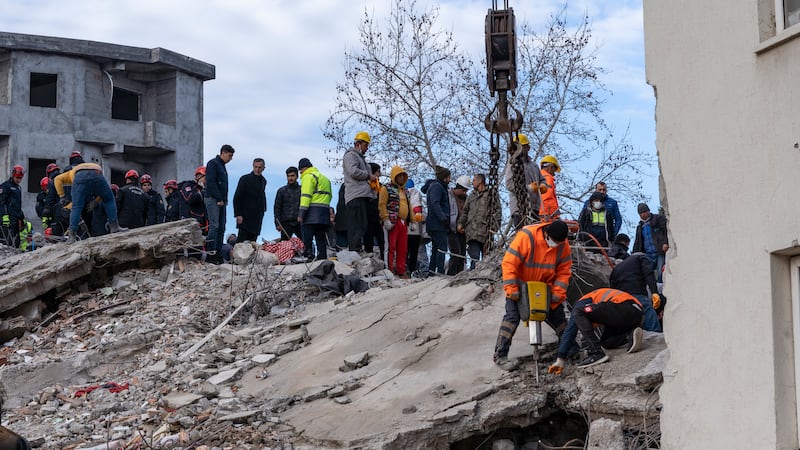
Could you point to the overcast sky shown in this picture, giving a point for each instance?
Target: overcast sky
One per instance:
(278, 61)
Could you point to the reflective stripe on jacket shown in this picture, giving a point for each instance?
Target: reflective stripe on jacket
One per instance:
(610, 295)
(529, 258)
(549, 209)
(315, 190)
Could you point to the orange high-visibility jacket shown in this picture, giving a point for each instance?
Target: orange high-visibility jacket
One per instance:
(528, 258)
(549, 209)
(609, 295)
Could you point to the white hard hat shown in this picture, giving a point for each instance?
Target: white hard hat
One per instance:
(463, 181)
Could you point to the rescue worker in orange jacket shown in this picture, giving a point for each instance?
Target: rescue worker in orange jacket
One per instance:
(549, 209)
(620, 314)
(537, 253)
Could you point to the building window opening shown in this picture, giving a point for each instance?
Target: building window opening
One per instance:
(125, 105)
(118, 177)
(37, 169)
(791, 12)
(43, 89)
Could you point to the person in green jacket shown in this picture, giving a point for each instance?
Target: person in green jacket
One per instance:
(314, 214)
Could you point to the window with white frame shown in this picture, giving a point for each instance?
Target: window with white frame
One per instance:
(794, 280)
(787, 13)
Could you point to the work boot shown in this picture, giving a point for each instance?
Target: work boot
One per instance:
(635, 340)
(593, 360)
(70, 237)
(506, 364)
(113, 227)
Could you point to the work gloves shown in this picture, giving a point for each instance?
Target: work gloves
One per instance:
(388, 225)
(656, 298)
(514, 296)
(557, 367)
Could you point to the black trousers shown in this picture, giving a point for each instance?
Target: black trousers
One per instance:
(457, 244)
(413, 252)
(357, 222)
(245, 235)
(289, 230)
(315, 233)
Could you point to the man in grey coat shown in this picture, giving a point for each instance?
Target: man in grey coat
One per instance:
(475, 219)
(357, 191)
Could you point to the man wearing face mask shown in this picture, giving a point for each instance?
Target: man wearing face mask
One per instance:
(537, 253)
(595, 220)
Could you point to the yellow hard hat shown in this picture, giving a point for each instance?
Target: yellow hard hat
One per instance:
(522, 139)
(362, 136)
(552, 160)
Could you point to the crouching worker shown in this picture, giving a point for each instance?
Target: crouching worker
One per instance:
(621, 316)
(537, 253)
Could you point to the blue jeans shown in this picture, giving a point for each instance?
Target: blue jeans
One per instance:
(86, 185)
(439, 250)
(651, 322)
(216, 225)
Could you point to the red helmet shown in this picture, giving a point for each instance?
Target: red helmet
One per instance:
(18, 171)
(132, 174)
(75, 154)
(44, 182)
(114, 188)
(200, 170)
(146, 179)
(171, 184)
(52, 167)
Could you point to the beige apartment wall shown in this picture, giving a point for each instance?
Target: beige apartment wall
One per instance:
(727, 124)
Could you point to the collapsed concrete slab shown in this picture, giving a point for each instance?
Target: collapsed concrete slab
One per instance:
(428, 379)
(26, 276)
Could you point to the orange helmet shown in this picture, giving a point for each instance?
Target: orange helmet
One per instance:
(132, 174)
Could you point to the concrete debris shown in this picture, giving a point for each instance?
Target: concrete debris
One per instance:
(418, 357)
(606, 434)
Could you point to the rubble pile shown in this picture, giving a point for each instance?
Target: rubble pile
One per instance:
(255, 357)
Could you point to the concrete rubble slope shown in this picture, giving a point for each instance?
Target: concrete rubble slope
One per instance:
(404, 365)
(26, 276)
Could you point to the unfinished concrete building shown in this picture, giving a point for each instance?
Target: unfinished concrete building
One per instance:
(122, 107)
(728, 139)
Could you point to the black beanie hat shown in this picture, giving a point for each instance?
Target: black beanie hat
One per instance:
(304, 164)
(441, 173)
(643, 208)
(557, 230)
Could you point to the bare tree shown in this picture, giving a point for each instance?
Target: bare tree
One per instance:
(424, 101)
(561, 97)
(404, 86)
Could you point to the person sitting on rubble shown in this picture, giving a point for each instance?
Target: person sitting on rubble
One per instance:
(537, 253)
(619, 248)
(620, 315)
(227, 247)
(597, 222)
(635, 276)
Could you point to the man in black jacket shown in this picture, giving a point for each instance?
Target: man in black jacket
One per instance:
(634, 275)
(132, 202)
(216, 198)
(287, 206)
(250, 203)
(651, 237)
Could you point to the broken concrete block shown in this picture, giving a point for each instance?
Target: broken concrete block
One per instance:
(298, 322)
(208, 390)
(264, 358)
(12, 329)
(241, 253)
(239, 417)
(503, 444)
(335, 392)
(177, 400)
(606, 434)
(157, 367)
(315, 393)
(266, 258)
(32, 311)
(455, 414)
(347, 257)
(354, 362)
(224, 376)
(343, 400)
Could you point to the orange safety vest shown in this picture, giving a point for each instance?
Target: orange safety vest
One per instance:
(609, 295)
(529, 258)
(548, 211)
